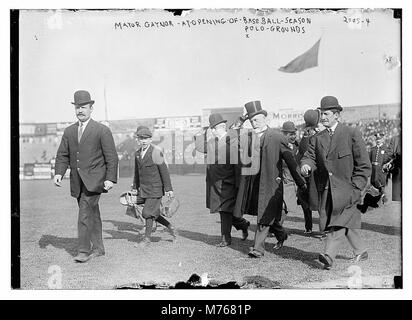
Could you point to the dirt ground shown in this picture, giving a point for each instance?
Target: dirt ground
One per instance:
(48, 238)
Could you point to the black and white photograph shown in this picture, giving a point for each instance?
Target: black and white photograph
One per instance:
(219, 148)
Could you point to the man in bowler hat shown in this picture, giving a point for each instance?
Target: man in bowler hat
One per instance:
(222, 175)
(87, 147)
(261, 187)
(151, 182)
(341, 168)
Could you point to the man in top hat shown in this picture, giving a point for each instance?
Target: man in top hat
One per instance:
(222, 175)
(87, 147)
(341, 166)
(261, 187)
(151, 182)
(289, 131)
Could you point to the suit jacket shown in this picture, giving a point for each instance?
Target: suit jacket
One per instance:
(342, 164)
(92, 161)
(151, 175)
(261, 186)
(222, 170)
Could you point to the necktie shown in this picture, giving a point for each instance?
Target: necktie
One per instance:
(330, 132)
(80, 130)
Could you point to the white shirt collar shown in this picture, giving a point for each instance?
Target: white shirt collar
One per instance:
(85, 123)
(143, 152)
(333, 128)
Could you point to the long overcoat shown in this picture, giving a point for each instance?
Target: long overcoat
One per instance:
(222, 170)
(395, 154)
(261, 186)
(340, 163)
(92, 160)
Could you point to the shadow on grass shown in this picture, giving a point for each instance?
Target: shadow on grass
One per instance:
(388, 230)
(68, 244)
(243, 247)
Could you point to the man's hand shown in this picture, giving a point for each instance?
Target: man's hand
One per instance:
(305, 169)
(169, 194)
(58, 180)
(108, 185)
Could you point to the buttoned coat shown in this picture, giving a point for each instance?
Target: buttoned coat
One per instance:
(342, 164)
(222, 170)
(261, 187)
(151, 175)
(92, 160)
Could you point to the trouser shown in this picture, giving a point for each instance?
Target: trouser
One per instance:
(151, 212)
(89, 224)
(307, 213)
(262, 232)
(227, 220)
(336, 236)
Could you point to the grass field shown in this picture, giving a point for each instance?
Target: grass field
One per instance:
(48, 224)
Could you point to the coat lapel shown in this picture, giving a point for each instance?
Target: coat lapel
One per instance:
(335, 138)
(324, 140)
(87, 130)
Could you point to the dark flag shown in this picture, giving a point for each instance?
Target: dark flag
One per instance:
(307, 60)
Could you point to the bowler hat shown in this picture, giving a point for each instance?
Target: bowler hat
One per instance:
(288, 126)
(330, 103)
(82, 97)
(254, 108)
(311, 117)
(143, 132)
(215, 119)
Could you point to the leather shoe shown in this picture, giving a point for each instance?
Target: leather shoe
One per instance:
(245, 232)
(326, 260)
(82, 257)
(97, 253)
(360, 257)
(278, 245)
(255, 254)
(223, 244)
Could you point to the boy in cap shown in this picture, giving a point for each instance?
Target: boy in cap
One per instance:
(151, 181)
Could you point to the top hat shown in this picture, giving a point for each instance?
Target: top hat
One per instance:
(330, 103)
(311, 117)
(288, 126)
(254, 108)
(215, 119)
(82, 97)
(143, 132)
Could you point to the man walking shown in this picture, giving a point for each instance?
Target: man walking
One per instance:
(87, 147)
(339, 156)
(222, 176)
(261, 186)
(289, 131)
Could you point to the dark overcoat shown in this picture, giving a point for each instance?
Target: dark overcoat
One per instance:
(151, 175)
(340, 163)
(394, 153)
(93, 160)
(261, 186)
(222, 170)
(377, 156)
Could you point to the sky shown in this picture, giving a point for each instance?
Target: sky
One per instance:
(179, 70)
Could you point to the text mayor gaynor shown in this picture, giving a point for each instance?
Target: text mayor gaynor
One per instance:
(250, 25)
